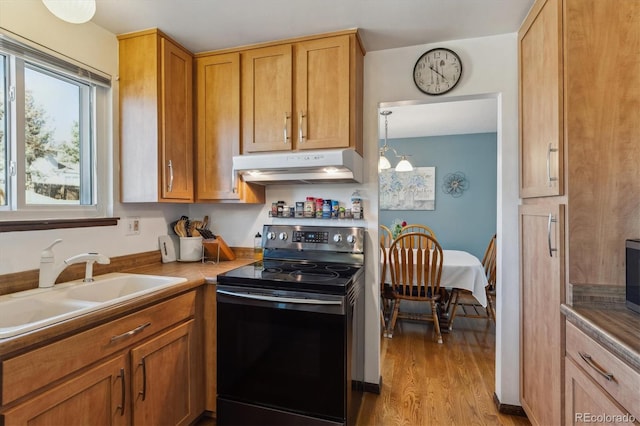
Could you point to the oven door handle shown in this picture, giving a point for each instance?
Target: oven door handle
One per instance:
(281, 299)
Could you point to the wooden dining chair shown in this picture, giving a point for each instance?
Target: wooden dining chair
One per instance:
(415, 262)
(463, 304)
(386, 236)
(416, 227)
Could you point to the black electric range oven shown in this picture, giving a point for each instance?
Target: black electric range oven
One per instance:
(290, 330)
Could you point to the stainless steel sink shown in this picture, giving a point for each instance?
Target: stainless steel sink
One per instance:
(32, 309)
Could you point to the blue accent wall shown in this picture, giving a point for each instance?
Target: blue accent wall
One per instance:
(464, 223)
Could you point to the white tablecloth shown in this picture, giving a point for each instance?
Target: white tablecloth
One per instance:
(461, 270)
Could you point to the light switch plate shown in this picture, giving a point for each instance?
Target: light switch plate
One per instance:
(167, 248)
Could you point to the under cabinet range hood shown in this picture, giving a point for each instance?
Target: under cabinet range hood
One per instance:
(322, 166)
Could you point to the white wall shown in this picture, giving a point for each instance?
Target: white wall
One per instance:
(490, 67)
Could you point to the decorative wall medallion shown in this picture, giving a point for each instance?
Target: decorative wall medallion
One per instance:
(455, 184)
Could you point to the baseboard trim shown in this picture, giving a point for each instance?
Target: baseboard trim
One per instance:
(373, 387)
(511, 410)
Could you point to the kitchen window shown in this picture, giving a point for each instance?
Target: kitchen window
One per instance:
(54, 138)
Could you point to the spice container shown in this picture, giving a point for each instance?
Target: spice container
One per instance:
(319, 202)
(335, 209)
(299, 209)
(356, 207)
(280, 206)
(310, 207)
(326, 209)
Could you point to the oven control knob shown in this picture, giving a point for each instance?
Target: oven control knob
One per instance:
(351, 239)
(283, 236)
(271, 235)
(337, 238)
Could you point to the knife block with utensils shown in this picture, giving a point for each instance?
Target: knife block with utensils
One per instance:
(214, 246)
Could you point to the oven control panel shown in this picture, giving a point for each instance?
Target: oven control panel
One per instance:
(310, 237)
(322, 238)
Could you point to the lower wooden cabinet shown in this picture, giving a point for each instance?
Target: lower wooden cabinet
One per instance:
(97, 396)
(140, 373)
(587, 402)
(599, 387)
(162, 391)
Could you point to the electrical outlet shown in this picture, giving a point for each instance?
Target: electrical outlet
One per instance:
(133, 226)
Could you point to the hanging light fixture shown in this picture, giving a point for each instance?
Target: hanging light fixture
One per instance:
(404, 165)
(73, 11)
(383, 163)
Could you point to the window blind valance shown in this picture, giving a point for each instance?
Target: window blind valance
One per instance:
(71, 68)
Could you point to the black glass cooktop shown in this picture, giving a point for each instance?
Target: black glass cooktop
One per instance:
(294, 275)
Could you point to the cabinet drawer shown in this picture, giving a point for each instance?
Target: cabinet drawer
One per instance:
(624, 382)
(35, 369)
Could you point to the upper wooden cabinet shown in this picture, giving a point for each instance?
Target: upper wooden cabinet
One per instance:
(218, 131)
(156, 119)
(541, 113)
(267, 101)
(579, 91)
(303, 94)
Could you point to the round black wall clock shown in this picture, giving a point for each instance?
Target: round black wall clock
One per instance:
(437, 71)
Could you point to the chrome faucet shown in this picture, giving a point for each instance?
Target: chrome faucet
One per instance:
(49, 270)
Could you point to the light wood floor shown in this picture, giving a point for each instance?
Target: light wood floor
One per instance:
(424, 383)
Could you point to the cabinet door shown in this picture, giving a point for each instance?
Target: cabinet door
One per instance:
(162, 386)
(586, 402)
(218, 131)
(138, 98)
(176, 123)
(98, 396)
(542, 292)
(218, 125)
(267, 99)
(322, 93)
(541, 100)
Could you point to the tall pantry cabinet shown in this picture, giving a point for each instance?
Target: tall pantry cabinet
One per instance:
(579, 74)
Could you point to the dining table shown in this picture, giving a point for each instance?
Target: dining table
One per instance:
(460, 270)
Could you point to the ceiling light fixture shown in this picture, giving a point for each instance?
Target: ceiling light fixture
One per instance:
(73, 11)
(383, 163)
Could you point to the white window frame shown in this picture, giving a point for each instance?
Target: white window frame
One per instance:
(99, 130)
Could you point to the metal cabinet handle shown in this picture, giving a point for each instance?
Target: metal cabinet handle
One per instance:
(300, 127)
(591, 363)
(170, 185)
(123, 390)
(234, 189)
(136, 330)
(551, 220)
(286, 127)
(143, 392)
(550, 179)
